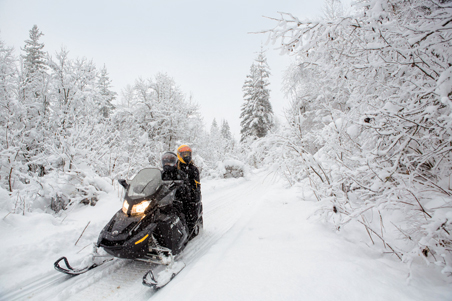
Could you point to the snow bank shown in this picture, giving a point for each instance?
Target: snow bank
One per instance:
(231, 169)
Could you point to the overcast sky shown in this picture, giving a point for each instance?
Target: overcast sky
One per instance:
(204, 45)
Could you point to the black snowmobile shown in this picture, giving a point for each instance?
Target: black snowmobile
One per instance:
(148, 228)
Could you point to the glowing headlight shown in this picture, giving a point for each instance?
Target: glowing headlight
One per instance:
(136, 209)
(140, 208)
(125, 207)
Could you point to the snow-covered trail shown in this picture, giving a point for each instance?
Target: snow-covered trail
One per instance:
(258, 244)
(274, 251)
(223, 207)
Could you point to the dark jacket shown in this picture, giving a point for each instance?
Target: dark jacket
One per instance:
(183, 192)
(176, 174)
(193, 206)
(193, 179)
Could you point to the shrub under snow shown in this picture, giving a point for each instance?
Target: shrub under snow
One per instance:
(231, 169)
(372, 92)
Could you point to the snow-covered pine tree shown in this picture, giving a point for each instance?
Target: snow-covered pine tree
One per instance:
(107, 95)
(228, 141)
(214, 130)
(33, 96)
(226, 130)
(216, 143)
(34, 71)
(256, 113)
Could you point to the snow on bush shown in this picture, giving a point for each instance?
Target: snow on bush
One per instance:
(231, 169)
(377, 84)
(64, 142)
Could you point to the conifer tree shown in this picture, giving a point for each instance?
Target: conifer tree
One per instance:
(34, 73)
(214, 128)
(33, 96)
(257, 113)
(225, 130)
(107, 96)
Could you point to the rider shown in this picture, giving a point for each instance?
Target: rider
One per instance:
(193, 205)
(171, 172)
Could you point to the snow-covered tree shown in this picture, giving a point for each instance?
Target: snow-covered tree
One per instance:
(384, 97)
(216, 142)
(45, 148)
(159, 119)
(107, 95)
(11, 112)
(256, 113)
(214, 130)
(127, 96)
(332, 9)
(226, 130)
(75, 92)
(34, 71)
(33, 98)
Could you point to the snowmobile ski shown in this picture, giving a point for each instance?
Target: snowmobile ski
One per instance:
(162, 278)
(73, 271)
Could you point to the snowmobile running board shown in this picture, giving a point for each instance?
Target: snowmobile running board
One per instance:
(74, 272)
(163, 277)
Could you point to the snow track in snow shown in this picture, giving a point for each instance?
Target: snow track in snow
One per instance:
(35, 285)
(121, 279)
(223, 210)
(120, 284)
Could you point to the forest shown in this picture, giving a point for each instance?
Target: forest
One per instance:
(368, 128)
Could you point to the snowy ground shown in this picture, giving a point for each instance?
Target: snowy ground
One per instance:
(259, 243)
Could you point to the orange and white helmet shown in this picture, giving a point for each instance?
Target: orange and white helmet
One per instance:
(184, 154)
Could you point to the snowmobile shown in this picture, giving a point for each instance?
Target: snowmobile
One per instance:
(148, 228)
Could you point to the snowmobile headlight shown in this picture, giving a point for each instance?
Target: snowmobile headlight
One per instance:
(141, 207)
(125, 207)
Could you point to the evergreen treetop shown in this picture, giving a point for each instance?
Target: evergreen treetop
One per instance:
(257, 113)
(34, 57)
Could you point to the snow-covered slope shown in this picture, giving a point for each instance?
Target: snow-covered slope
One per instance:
(258, 244)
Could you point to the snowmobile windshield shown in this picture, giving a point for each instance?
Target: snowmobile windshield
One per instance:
(145, 183)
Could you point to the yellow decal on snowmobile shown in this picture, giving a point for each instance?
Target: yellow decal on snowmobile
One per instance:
(141, 240)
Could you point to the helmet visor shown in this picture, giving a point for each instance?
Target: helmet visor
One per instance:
(169, 159)
(185, 154)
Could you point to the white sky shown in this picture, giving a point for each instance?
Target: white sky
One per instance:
(203, 44)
